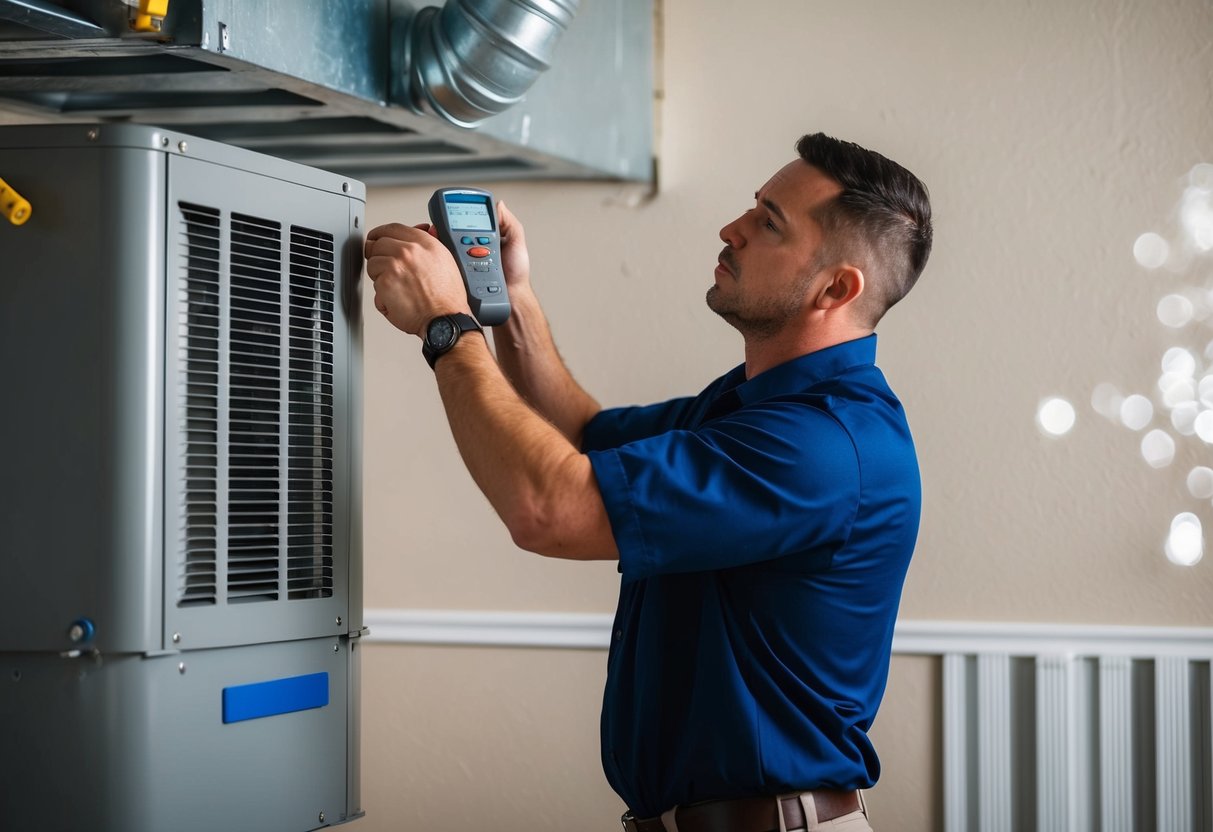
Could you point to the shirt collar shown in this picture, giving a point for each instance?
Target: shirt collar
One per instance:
(803, 372)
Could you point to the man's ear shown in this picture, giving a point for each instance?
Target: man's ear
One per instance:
(845, 284)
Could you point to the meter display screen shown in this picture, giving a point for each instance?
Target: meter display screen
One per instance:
(468, 212)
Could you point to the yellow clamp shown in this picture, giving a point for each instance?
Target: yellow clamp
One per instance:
(150, 16)
(15, 208)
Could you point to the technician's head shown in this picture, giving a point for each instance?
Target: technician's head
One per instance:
(880, 221)
(835, 238)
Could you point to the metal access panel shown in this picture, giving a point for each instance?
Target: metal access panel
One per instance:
(180, 507)
(130, 743)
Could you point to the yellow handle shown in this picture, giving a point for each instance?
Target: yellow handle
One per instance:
(15, 208)
(150, 15)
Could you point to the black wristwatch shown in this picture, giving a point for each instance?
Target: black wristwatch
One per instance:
(443, 332)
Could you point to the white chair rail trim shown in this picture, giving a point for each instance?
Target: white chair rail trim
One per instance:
(494, 628)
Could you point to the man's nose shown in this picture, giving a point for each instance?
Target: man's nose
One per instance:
(732, 235)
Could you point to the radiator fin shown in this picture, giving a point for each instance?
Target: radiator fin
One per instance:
(310, 424)
(1119, 742)
(198, 395)
(255, 411)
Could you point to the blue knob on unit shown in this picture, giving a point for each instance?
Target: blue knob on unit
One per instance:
(81, 631)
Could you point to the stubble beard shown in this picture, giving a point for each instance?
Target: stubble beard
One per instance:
(761, 320)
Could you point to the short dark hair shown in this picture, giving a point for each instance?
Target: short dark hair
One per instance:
(882, 217)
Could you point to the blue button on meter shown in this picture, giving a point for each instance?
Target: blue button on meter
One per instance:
(467, 241)
(484, 241)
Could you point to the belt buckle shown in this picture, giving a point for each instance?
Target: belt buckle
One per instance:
(625, 819)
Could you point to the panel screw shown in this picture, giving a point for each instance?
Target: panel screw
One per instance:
(182, 146)
(336, 648)
(181, 667)
(164, 141)
(75, 632)
(338, 621)
(322, 817)
(345, 187)
(92, 134)
(176, 638)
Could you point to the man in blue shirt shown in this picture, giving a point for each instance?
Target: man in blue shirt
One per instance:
(763, 528)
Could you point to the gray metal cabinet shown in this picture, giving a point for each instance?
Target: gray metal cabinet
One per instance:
(180, 529)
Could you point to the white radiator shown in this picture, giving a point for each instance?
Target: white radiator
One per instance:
(1078, 730)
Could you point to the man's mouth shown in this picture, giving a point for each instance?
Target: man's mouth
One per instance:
(726, 263)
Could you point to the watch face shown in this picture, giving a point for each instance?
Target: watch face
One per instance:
(440, 334)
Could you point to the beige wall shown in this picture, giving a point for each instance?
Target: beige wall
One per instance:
(507, 740)
(1051, 135)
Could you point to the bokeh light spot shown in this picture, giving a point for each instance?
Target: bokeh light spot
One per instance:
(1175, 311)
(1200, 482)
(1158, 448)
(1177, 392)
(1203, 425)
(1185, 544)
(1136, 411)
(1055, 416)
(1183, 418)
(1106, 400)
(1196, 216)
(1151, 250)
(1179, 361)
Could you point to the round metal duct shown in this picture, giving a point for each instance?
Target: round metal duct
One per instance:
(472, 59)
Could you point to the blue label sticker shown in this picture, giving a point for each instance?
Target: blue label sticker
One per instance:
(278, 696)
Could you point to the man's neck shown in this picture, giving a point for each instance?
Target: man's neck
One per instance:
(761, 354)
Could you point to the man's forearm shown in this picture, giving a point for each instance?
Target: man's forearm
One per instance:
(539, 483)
(528, 357)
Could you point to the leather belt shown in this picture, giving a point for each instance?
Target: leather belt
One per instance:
(751, 814)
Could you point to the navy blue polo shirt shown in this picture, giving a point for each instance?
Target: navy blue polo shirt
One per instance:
(764, 531)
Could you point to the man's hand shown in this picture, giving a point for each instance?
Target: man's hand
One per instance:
(416, 278)
(515, 260)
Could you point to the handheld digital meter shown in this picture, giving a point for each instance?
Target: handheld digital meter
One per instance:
(466, 221)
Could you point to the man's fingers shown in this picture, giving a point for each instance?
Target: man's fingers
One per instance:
(511, 228)
(396, 230)
(393, 246)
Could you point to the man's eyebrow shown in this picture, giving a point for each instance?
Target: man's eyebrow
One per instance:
(771, 206)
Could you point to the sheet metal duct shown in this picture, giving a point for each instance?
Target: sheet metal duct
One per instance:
(355, 87)
(477, 58)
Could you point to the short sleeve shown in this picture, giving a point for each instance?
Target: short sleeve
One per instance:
(619, 425)
(767, 481)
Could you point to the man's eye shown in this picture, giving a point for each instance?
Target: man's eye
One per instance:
(771, 226)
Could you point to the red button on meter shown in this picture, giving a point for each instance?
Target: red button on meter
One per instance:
(478, 251)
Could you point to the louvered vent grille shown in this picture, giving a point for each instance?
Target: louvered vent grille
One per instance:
(199, 398)
(254, 463)
(256, 393)
(310, 430)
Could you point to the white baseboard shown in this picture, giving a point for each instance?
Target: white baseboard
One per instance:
(495, 628)
(490, 628)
